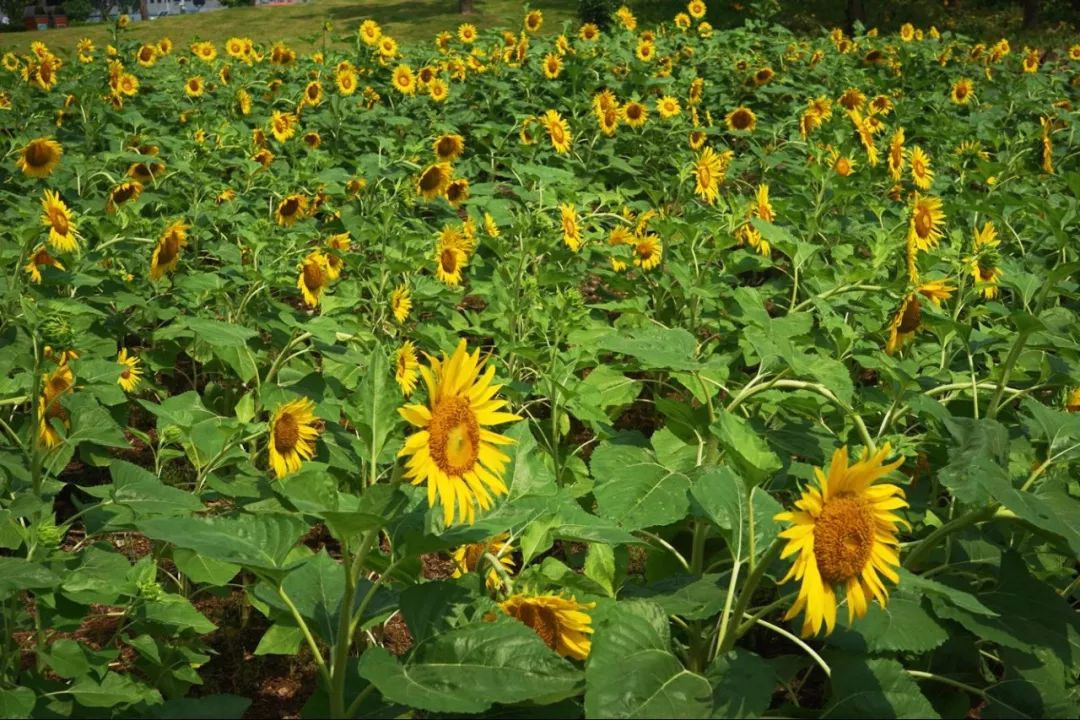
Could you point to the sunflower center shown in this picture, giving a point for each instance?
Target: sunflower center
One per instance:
(59, 222)
(986, 273)
(843, 538)
(924, 222)
(125, 373)
(38, 154)
(473, 555)
(286, 433)
(455, 436)
(447, 147)
(542, 620)
(918, 167)
(168, 250)
(313, 276)
(740, 120)
(911, 317)
(448, 260)
(557, 134)
(704, 175)
(290, 207)
(430, 180)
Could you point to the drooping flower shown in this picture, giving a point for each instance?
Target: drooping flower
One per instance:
(740, 119)
(313, 278)
(291, 209)
(406, 368)
(843, 532)
(40, 256)
(471, 558)
(433, 181)
(293, 432)
(167, 250)
(454, 453)
(58, 218)
(560, 622)
(401, 303)
(130, 374)
(40, 157)
(986, 261)
(448, 147)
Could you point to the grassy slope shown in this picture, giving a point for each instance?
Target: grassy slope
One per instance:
(300, 25)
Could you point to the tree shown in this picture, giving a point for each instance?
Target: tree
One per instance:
(1032, 12)
(856, 12)
(144, 12)
(465, 7)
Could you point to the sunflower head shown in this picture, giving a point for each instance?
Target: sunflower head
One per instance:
(40, 157)
(401, 303)
(449, 147)
(561, 622)
(406, 368)
(290, 209)
(130, 374)
(843, 534)
(433, 181)
(293, 431)
(473, 557)
(741, 119)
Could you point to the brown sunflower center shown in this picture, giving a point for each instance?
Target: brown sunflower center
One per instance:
(455, 192)
(455, 436)
(961, 92)
(741, 119)
(431, 180)
(924, 221)
(286, 433)
(986, 272)
(167, 250)
(447, 148)
(557, 134)
(542, 620)
(59, 221)
(918, 167)
(290, 207)
(313, 275)
(125, 373)
(313, 92)
(448, 260)
(911, 317)
(704, 175)
(38, 154)
(633, 112)
(473, 554)
(843, 538)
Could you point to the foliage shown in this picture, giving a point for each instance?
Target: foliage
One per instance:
(207, 394)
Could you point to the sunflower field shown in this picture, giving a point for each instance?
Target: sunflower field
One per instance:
(596, 372)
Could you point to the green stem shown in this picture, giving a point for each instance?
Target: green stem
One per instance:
(343, 640)
(920, 675)
(316, 653)
(927, 544)
(1010, 362)
(729, 632)
(798, 641)
(358, 700)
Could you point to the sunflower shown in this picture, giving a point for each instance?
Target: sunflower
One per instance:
(844, 533)
(127, 191)
(709, 171)
(570, 228)
(313, 94)
(40, 157)
(620, 235)
(439, 90)
(490, 226)
(58, 218)
(741, 118)
(908, 317)
(130, 374)
(1031, 61)
(293, 432)
(1072, 403)
(449, 147)
(763, 76)
(453, 452)
(457, 191)
(696, 139)
(924, 230)
(921, 174)
(346, 81)
(552, 66)
(205, 51)
(406, 368)
(336, 244)
(282, 125)
(194, 86)
(290, 209)
(147, 55)
(312, 139)
(852, 99)
(961, 92)
(433, 181)
(843, 165)
(370, 32)
(167, 250)
(55, 385)
(648, 250)
(533, 20)
(646, 51)
(388, 47)
(560, 622)
(449, 262)
(40, 256)
(626, 18)
(985, 264)
(403, 80)
(609, 121)
(558, 131)
(589, 32)
(896, 155)
(470, 558)
(401, 303)
(762, 207)
(467, 32)
(668, 107)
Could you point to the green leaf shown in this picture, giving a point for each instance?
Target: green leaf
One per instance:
(601, 394)
(144, 494)
(469, 669)
(902, 626)
(207, 707)
(600, 566)
(20, 574)
(654, 347)
(374, 408)
(745, 447)
(280, 640)
(720, 496)
(980, 452)
(256, 541)
(933, 588)
(17, 703)
(632, 673)
(688, 596)
(202, 569)
(175, 610)
(114, 689)
(878, 688)
(742, 684)
(635, 490)
(216, 332)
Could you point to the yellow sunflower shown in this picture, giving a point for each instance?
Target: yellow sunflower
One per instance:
(40, 157)
(709, 171)
(589, 32)
(433, 181)
(560, 622)
(844, 532)
(346, 81)
(570, 228)
(648, 250)
(401, 303)
(896, 155)
(762, 207)
(449, 262)
(764, 76)
(470, 558)
(290, 209)
(635, 114)
(370, 32)
(1072, 403)
(843, 165)
(927, 217)
(55, 385)
(645, 51)
(449, 147)
(282, 125)
(741, 118)
(167, 250)
(921, 174)
(457, 191)
(552, 66)
(490, 226)
(293, 432)
(609, 121)
(313, 278)
(454, 452)
(439, 90)
(962, 91)
(467, 32)
(696, 9)
(406, 368)
(403, 80)
(668, 107)
(130, 374)
(1031, 61)
(313, 94)
(985, 265)
(58, 218)
(534, 20)
(194, 86)
(558, 131)
(40, 256)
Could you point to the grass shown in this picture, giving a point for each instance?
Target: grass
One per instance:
(300, 25)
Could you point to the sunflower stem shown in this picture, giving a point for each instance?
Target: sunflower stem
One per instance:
(343, 642)
(1010, 362)
(730, 626)
(800, 642)
(306, 631)
(927, 544)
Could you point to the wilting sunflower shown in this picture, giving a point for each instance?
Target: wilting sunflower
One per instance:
(57, 217)
(167, 250)
(985, 264)
(741, 118)
(457, 191)
(290, 209)
(709, 171)
(454, 452)
(40, 157)
(762, 207)
(433, 181)
(570, 228)
(927, 217)
(552, 66)
(449, 147)
(668, 107)
(293, 432)
(406, 368)
(313, 278)
(558, 131)
(471, 558)
(558, 621)
(921, 174)
(130, 374)
(40, 256)
(401, 303)
(844, 532)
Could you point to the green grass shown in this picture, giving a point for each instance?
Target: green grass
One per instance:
(300, 25)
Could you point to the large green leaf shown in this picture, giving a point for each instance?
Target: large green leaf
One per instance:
(901, 626)
(144, 494)
(632, 672)
(874, 688)
(654, 347)
(259, 542)
(20, 574)
(374, 408)
(113, 689)
(469, 669)
(745, 447)
(635, 490)
(742, 684)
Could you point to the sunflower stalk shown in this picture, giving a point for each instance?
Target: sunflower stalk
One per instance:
(351, 565)
(1006, 373)
(731, 627)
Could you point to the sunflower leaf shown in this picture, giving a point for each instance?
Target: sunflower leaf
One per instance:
(868, 687)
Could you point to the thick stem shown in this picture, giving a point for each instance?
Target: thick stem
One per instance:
(730, 634)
